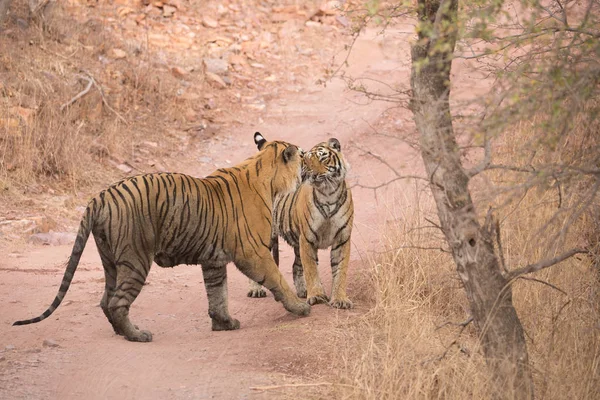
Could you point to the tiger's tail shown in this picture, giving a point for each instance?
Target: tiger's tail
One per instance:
(83, 234)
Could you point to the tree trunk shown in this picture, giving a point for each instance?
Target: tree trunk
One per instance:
(490, 298)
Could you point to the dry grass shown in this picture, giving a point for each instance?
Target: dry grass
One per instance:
(398, 350)
(43, 142)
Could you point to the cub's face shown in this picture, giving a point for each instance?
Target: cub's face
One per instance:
(286, 161)
(324, 163)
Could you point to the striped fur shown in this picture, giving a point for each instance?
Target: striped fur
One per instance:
(318, 215)
(176, 219)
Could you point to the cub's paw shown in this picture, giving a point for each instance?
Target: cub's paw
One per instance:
(317, 299)
(140, 336)
(229, 325)
(343, 303)
(299, 308)
(257, 292)
(300, 287)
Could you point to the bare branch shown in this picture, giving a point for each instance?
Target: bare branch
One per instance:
(500, 248)
(528, 278)
(511, 168)
(105, 101)
(376, 187)
(544, 264)
(461, 324)
(80, 94)
(487, 157)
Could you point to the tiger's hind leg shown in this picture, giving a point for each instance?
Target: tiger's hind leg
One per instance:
(255, 290)
(298, 272)
(131, 276)
(215, 282)
(110, 278)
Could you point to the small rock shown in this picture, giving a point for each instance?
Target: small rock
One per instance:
(227, 80)
(2, 358)
(257, 65)
(117, 54)
(215, 65)
(125, 168)
(216, 79)
(52, 238)
(34, 350)
(210, 22)
(150, 144)
(258, 106)
(210, 104)
(168, 11)
(221, 10)
(191, 115)
(205, 160)
(342, 20)
(50, 343)
(9, 347)
(237, 59)
(330, 7)
(178, 72)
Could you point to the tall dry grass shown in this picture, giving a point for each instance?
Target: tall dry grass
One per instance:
(44, 141)
(409, 345)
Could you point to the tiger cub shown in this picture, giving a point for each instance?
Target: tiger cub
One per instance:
(176, 219)
(318, 215)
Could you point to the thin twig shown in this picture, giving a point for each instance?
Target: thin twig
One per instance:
(500, 249)
(544, 264)
(80, 94)
(461, 324)
(376, 187)
(290, 385)
(300, 385)
(528, 278)
(487, 157)
(106, 102)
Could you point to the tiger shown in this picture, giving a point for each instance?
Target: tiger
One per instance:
(318, 215)
(173, 219)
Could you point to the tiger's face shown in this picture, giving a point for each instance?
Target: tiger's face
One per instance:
(324, 163)
(286, 159)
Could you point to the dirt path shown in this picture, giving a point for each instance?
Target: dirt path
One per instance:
(186, 359)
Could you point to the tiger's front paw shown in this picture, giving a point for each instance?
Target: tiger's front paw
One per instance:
(343, 303)
(257, 292)
(317, 299)
(299, 308)
(140, 336)
(229, 325)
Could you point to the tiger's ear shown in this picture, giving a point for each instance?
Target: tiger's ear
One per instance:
(289, 152)
(335, 144)
(259, 140)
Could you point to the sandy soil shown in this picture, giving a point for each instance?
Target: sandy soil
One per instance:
(75, 354)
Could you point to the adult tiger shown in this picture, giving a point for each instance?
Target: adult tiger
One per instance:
(177, 219)
(318, 215)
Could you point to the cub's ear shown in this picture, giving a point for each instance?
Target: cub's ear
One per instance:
(335, 144)
(259, 140)
(289, 152)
